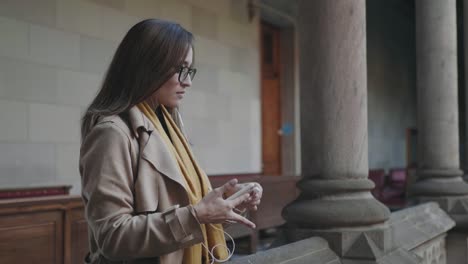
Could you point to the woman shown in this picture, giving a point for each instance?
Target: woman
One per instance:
(146, 198)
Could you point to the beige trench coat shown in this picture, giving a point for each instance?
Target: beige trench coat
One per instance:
(136, 204)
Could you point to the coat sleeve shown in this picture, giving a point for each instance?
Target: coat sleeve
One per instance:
(107, 190)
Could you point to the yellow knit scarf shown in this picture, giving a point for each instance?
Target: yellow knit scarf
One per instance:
(197, 185)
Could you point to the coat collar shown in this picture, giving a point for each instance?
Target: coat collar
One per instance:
(152, 147)
(139, 120)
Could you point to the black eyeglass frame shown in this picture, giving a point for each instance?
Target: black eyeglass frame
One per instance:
(188, 71)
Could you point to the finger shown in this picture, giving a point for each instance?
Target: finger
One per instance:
(239, 200)
(255, 196)
(228, 186)
(255, 202)
(242, 220)
(258, 187)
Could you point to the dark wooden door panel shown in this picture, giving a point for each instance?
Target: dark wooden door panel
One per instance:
(31, 238)
(79, 236)
(271, 103)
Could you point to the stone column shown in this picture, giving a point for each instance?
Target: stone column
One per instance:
(465, 48)
(457, 241)
(335, 202)
(439, 173)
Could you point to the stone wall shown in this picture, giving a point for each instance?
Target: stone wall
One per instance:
(53, 55)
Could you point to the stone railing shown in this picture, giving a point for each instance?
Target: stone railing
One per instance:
(417, 235)
(422, 230)
(311, 250)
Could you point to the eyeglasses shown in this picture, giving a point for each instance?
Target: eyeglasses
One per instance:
(184, 72)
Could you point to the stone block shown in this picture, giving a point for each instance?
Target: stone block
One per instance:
(417, 225)
(96, 54)
(54, 47)
(76, 88)
(24, 81)
(27, 164)
(211, 52)
(204, 23)
(421, 230)
(236, 34)
(66, 166)
(413, 235)
(41, 12)
(311, 250)
(52, 123)
(219, 7)
(354, 243)
(456, 206)
(243, 60)
(15, 38)
(116, 4)
(143, 8)
(222, 104)
(177, 11)
(203, 133)
(255, 136)
(14, 117)
(400, 256)
(206, 79)
(433, 251)
(82, 17)
(239, 12)
(116, 24)
(195, 105)
(238, 85)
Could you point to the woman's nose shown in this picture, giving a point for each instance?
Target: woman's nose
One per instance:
(187, 82)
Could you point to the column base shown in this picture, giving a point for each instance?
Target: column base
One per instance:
(326, 212)
(334, 203)
(440, 187)
(364, 245)
(435, 182)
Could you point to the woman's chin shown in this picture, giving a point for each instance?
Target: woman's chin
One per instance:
(174, 104)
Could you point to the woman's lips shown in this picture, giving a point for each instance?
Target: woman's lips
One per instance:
(180, 95)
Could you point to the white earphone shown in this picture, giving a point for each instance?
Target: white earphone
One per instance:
(211, 252)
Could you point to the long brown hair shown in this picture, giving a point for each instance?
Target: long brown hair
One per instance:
(146, 58)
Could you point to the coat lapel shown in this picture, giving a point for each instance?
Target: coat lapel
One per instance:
(153, 149)
(158, 154)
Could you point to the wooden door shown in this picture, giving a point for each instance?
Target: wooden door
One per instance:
(271, 107)
(35, 237)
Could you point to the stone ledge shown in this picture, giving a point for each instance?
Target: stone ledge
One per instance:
(311, 250)
(415, 226)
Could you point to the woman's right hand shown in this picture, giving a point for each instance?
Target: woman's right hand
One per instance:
(214, 209)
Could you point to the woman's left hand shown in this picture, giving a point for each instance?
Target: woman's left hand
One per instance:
(255, 198)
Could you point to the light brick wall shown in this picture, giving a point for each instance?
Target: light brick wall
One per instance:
(53, 54)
